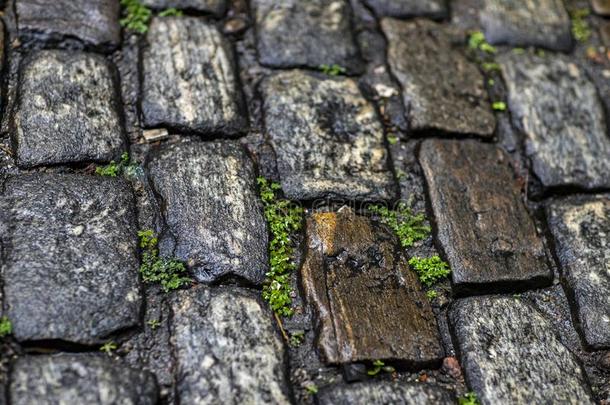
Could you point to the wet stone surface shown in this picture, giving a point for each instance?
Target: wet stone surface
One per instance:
(79, 379)
(435, 9)
(385, 393)
(482, 224)
(511, 354)
(441, 90)
(558, 109)
(369, 305)
(215, 7)
(67, 110)
(581, 228)
(226, 347)
(70, 257)
(542, 23)
(327, 138)
(189, 82)
(209, 201)
(94, 22)
(295, 33)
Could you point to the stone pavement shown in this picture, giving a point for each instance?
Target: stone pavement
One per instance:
(489, 117)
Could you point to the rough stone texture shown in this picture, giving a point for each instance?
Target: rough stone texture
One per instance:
(296, 33)
(542, 23)
(211, 207)
(79, 379)
(189, 82)
(558, 109)
(409, 8)
(327, 138)
(385, 393)
(70, 257)
(67, 110)
(94, 22)
(511, 354)
(601, 7)
(215, 7)
(581, 229)
(227, 349)
(441, 89)
(369, 305)
(483, 226)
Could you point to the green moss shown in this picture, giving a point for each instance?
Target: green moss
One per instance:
(113, 169)
(518, 51)
(468, 399)
(490, 66)
(378, 366)
(409, 227)
(108, 347)
(491, 82)
(431, 294)
(154, 323)
(171, 12)
(392, 139)
(580, 27)
(6, 327)
(477, 41)
(429, 270)
(312, 389)
(296, 338)
(136, 17)
(333, 70)
(170, 273)
(499, 106)
(283, 218)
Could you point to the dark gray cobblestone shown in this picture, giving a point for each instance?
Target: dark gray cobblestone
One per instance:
(215, 7)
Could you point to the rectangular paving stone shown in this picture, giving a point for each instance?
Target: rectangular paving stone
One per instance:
(581, 229)
(296, 33)
(483, 226)
(541, 23)
(215, 7)
(383, 392)
(368, 304)
(441, 90)
(511, 354)
(210, 204)
(189, 80)
(70, 257)
(559, 111)
(436, 9)
(94, 22)
(67, 110)
(226, 348)
(327, 138)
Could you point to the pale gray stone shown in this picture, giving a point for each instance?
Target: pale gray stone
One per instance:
(384, 392)
(71, 257)
(227, 348)
(67, 110)
(189, 80)
(215, 7)
(511, 354)
(436, 9)
(327, 138)
(558, 109)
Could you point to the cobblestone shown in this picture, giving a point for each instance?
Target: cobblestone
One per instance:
(436, 9)
(385, 393)
(215, 7)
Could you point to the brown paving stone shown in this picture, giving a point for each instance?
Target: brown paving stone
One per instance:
(601, 7)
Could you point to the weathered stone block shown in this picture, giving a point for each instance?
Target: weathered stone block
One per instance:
(441, 89)
(227, 349)
(210, 204)
(369, 305)
(558, 109)
(215, 7)
(581, 229)
(67, 110)
(71, 258)
(385, 393)
(189, 81)
(483, 226)
(436, 9)
(510, 354)
(327, 138)
(295, 33)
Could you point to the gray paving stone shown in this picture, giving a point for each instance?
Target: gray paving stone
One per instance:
(215, 7)
(581, 229)
(441, 89)
(558, 109)
(189, 80)
(368, 304)
(79, 379)
(542, 23)
(511, 354)
(483, 226)
(227, 348)
(295, 33)
(327, 138)
(210, 203)
(384, 392)
(94, 22)
(67, 110)
(409, 8)
(70, 257)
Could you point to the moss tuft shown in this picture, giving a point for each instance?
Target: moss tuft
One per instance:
(429, 270)
(170, 273)
(6, 327)
(136, 17)
(409, 227)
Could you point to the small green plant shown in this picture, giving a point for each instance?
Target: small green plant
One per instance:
(490, 66)
(171, 12)
(429, 270)
(170, 273)
(154, 323)
(108, 347)
(378, 366)
(297, 338)
(392, 139)
(499, 106)
(6, 327)
(113, 169)
(409, 227)
(312, 389)
(580, 27)
(477, 41)
(431, 294)
(283, 219)
(469, 399)
(136, 17)
(333, 70)
(400, 174)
